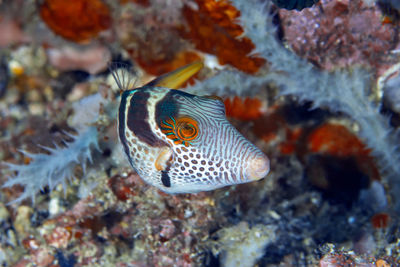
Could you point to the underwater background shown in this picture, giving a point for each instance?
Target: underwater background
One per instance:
(315, 85)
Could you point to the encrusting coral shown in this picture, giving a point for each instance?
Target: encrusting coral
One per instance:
(80, 22)
(341, 34)
(241, 245)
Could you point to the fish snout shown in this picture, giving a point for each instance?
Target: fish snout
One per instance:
(258, 167)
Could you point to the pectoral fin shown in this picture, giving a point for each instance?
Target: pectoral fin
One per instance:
(163, 159)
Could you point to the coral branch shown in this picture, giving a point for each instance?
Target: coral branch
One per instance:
(58, 166)
(228, 83)
(54, 168)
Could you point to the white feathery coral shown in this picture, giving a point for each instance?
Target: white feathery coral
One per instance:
(58, 166)
(54, 168)
(227, 83)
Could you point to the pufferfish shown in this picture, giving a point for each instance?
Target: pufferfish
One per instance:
(183, 143)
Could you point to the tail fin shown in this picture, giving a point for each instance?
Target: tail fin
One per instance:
(122, 75)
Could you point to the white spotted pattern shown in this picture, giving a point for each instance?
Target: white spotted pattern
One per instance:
(217, 157)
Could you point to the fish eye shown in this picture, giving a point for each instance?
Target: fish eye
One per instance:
(181, 130)
(187, 129)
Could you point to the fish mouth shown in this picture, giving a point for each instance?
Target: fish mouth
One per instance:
(258, 167)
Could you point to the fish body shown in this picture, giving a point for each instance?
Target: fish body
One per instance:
(183, 143)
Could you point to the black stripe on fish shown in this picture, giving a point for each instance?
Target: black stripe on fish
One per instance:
(138, 119)
(121, 122)
(165, 179)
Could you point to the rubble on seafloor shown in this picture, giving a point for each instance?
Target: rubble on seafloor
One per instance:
(70, 198)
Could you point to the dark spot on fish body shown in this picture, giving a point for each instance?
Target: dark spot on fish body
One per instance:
(165, 179)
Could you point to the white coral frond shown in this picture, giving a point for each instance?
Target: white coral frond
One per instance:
(55, 168)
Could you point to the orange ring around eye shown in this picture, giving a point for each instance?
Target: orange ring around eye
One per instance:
(186, 128)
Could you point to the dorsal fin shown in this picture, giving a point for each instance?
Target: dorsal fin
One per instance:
(176, 78)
